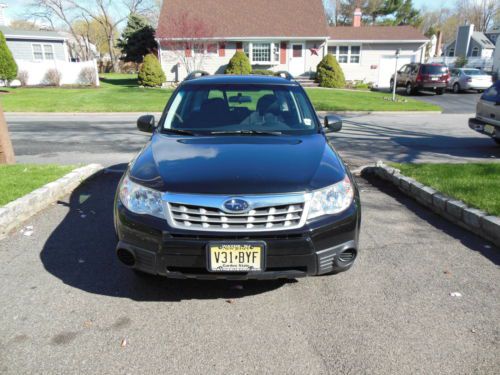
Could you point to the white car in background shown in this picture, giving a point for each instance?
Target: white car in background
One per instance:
(469, 79)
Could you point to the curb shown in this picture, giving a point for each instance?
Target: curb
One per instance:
(15, 213)
(474, 220)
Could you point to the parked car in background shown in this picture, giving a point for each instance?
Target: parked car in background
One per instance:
(469, 79)
(487, 120)
(429, 77)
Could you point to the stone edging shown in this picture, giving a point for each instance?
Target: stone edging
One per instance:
(476, 221)
(15, 213)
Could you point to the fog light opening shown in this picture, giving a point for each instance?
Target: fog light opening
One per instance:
(126, 257)
(347, 256)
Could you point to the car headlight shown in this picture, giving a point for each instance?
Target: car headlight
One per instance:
(140, 199)
(331, 200)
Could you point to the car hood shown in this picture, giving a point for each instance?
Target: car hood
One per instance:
(237, 164)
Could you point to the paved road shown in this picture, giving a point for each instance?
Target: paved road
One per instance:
(114, 139)
(465, 102)
(67, 305)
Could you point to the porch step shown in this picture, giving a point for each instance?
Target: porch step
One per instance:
(306, 82)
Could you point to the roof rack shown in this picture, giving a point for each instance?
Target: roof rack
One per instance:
(284, 74)
(196, 74)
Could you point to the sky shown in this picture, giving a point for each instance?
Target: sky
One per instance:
(16, 7)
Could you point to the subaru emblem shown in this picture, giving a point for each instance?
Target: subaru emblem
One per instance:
(235, 205)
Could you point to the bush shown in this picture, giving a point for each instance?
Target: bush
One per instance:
(53, 77)
(461, 62)
(8, 66)
(151, 74)
(263, 72)
(329, 73)
(87, 76)
(23, 77)
(239, 64)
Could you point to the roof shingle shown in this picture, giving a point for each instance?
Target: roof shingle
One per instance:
(375, 33)
(247, 18)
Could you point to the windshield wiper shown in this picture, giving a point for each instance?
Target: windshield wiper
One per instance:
(248, 132)
(178, 131)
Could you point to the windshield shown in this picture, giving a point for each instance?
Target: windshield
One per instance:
(434, 69)
(473, 72)
(219, 109)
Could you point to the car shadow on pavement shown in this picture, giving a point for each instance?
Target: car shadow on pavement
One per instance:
(81, 253)
(468, 239)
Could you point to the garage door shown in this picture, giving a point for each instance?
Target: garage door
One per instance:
(386, 68)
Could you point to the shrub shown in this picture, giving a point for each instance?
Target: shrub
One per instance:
(23, 77)
(151, 74)
(52, 77)
(87, 76)
(8, 66)
(239, 64)
(263, 72)
(329, 73)
(461, 62)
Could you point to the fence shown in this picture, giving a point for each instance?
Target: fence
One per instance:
(70, 71)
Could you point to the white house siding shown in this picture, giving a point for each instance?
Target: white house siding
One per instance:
(373, 55)
(215, 64)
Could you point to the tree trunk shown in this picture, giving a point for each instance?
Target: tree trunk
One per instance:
(6, 150)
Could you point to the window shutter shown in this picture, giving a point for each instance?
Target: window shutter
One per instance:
(222, 49)
(239, 46)
(187, 51)
(283, 53)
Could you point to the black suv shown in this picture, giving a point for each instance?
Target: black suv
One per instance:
(428, 77)
(238, 181)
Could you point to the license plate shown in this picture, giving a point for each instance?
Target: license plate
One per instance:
(236, 256)
(434, 79)
(489, 129)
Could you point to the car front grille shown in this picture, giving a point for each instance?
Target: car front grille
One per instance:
(194, 217)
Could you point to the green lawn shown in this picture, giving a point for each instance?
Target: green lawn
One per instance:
(120, 93)
(20, 179)
(476, 184)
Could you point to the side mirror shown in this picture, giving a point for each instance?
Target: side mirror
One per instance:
(146, 123)
(333, 123)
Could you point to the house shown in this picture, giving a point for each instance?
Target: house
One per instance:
(493, 33)
(368, 53)
(274, 35)
(37, 51)
(291, 35)
(469, 43)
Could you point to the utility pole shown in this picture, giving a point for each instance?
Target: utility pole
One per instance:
(6, 150)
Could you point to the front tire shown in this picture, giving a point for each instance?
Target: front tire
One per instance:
(497, 140)
(456, 88)
(409, 89)
(439, 91)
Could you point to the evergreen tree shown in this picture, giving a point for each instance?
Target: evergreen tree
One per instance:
(239, 64)
(137, 40)
(329, 73)
(151, 74)
(8, 66)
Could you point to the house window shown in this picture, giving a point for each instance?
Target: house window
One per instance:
(297, 50)
(262, 53)
(332, 50)
(37, 52)
(475, 52)
(355, 54)
(451, 52)
(48, 51)
(212, 48)
(343, 56)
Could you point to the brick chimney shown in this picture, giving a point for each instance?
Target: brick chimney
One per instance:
(2, 16)
(357, 17)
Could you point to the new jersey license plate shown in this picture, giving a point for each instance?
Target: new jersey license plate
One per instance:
(236, 256)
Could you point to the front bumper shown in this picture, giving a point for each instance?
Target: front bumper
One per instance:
(314, 249)
(485, 128)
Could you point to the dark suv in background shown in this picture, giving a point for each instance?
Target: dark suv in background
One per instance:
(428, 77)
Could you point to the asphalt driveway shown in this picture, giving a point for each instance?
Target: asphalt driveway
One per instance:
(464, 102)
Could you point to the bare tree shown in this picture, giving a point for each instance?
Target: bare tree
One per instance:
(480, 13)
(192, 41)
(6, 149)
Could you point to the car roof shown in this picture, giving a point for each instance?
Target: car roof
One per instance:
(225, 79)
